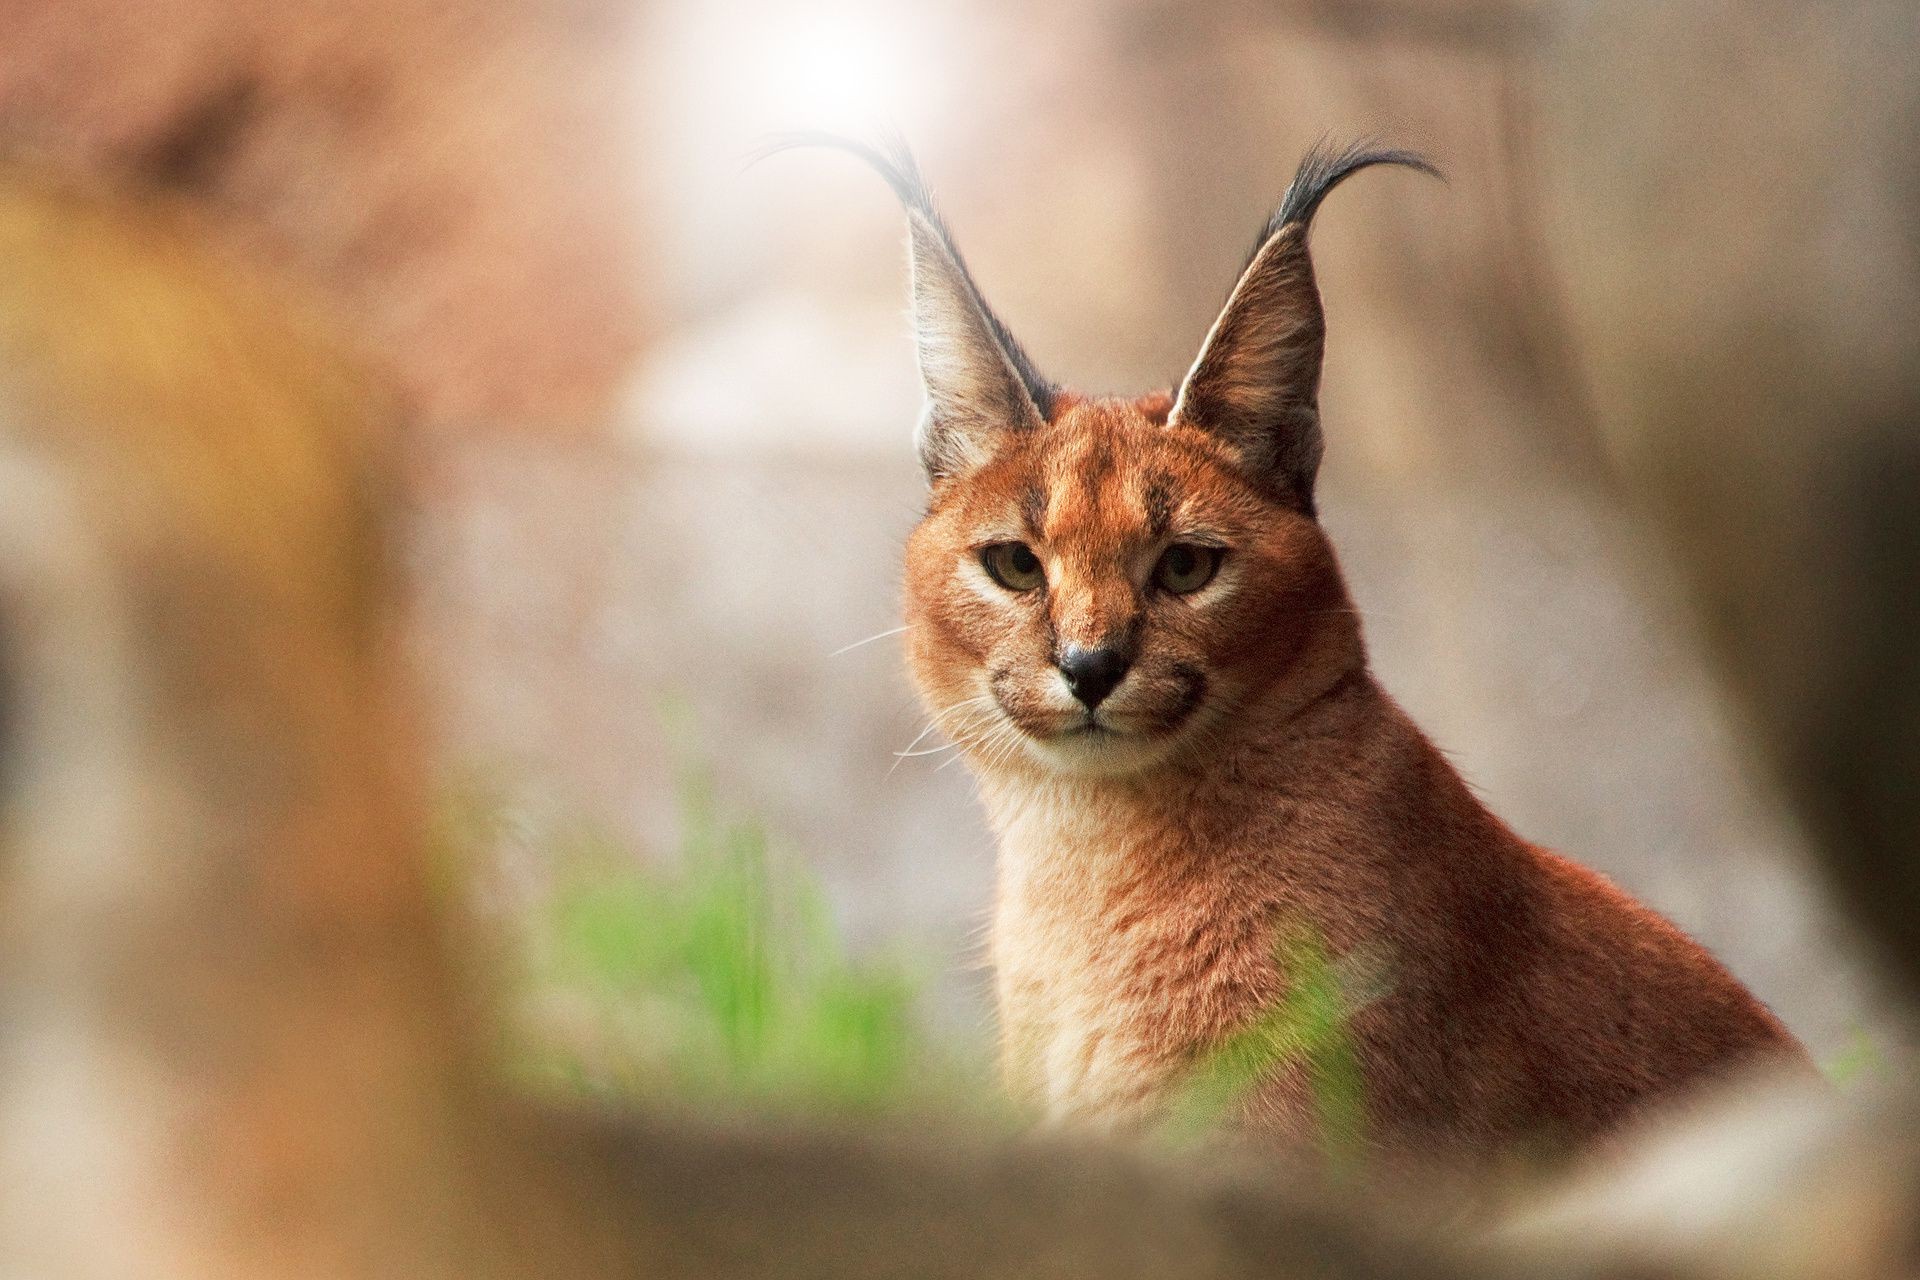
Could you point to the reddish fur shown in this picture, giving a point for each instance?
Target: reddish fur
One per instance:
(1527, 1001)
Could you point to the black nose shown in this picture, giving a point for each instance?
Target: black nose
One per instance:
(1092, 673)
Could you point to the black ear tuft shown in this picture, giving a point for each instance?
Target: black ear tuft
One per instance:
(1256, 383)
(1321, 170)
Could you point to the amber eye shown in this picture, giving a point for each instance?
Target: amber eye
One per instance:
(1185, 567)
(1013, 565)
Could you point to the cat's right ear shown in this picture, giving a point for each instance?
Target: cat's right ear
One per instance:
(1256, 383)
(980, 385)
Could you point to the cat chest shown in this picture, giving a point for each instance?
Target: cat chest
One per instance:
(1113, 972)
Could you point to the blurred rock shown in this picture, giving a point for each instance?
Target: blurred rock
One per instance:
(1772, 1178)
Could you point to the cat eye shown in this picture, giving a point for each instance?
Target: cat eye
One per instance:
(1013, 565)
(1185, 567)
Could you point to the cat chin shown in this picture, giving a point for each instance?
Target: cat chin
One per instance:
(1099, 752)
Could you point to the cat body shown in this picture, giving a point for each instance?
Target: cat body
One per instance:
(1127, 617)
(1524, 1001)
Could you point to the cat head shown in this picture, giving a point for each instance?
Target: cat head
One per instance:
(1100, 581)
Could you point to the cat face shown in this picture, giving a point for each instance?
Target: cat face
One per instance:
(1107, 589)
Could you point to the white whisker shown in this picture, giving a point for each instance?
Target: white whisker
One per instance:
(849, 648)
(983, 742)
(937, 720)
(927, 751)
(908, 750)
(940, 715)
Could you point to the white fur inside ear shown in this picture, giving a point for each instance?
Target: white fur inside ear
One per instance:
(943, 450)
(973, 389)
(1256, 381)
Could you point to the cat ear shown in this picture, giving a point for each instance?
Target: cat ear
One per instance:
(1256, 383)
(979, 383)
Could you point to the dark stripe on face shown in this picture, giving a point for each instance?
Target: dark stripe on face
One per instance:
(1095, 467)
(1033, 510)
(1159, 505)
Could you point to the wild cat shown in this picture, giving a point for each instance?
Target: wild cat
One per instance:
(1126, 615)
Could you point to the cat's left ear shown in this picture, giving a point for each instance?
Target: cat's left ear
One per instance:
(1256, 383)
(980, 384)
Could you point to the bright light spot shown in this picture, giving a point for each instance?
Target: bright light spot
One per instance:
(831, 71)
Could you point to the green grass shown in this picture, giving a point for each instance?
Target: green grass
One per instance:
(715, 976)
(745, 987)
(1859, 1062)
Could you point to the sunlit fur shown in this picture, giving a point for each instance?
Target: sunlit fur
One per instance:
(1249, 777)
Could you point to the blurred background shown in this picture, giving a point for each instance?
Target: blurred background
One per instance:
(658, 401)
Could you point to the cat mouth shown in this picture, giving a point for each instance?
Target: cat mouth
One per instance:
(1092, 729)
(1095, 745)
(1098, 727)
(1080, 732)
(1083, 725)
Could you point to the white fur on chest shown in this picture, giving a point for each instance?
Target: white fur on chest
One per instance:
(1075, 1040)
